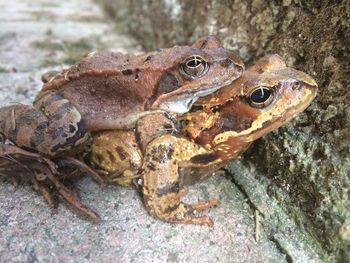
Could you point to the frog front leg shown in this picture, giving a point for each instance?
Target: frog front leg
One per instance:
(53, 126)
(119, 152)
(153, 126)
(162, 184)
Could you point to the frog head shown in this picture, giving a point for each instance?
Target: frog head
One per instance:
(191, 72)
(268, 95)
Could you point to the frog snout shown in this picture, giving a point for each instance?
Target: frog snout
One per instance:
(307, 79)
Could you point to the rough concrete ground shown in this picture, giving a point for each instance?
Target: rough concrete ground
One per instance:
(39, 35)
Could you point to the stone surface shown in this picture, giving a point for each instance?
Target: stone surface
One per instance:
(42, 35)
(30, 232)
(307, 162)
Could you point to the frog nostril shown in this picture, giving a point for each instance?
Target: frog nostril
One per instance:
(296, 85)
(226, 62)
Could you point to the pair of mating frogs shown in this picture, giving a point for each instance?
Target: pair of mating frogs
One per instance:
(163, 118)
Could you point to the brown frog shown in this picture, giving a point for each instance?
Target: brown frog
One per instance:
(113, 91)
(268, 95)
(104, 91)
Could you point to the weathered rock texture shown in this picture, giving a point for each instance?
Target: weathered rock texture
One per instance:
(306, 164)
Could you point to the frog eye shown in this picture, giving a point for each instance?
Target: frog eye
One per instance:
(261, 97)
(194, 66)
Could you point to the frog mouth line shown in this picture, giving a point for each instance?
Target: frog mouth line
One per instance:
(184, 102)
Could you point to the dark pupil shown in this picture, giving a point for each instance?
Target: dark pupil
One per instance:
(260, 95)
(194, 63)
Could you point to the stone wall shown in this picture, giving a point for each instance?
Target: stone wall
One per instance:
(306, 164)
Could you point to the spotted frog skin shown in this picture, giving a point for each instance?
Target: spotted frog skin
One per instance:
(114, 91)
(220, 127)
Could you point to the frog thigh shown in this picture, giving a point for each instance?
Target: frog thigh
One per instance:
(162, 183)
(117, 153)
(53, 126)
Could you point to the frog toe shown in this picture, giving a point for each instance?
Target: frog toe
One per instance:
(179, 212)
(21, 165)
(202, 220)
(200, 206)
(191, 217)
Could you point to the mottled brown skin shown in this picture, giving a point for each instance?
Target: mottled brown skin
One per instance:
(225, 126)
(113, 91)
(119, 153)
(124, 156)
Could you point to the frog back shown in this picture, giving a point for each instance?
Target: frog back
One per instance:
(105, 88)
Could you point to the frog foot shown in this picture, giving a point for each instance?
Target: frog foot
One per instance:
(170, 209)
(48, 195)
(201, 206)
(21, 165)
